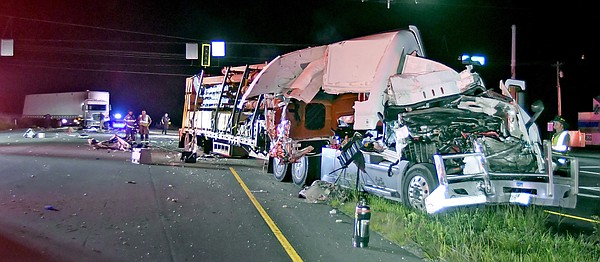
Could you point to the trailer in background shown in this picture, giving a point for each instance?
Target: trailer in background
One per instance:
(86, 108)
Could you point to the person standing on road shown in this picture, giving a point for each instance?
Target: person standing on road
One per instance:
(47, 121)
(130, 127)
(101, 119)
(164, 122)
(144, 121)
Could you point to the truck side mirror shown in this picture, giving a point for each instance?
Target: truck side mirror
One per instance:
(537, 107)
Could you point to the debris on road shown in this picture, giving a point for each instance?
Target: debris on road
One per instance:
(30, 133)
(172, 199)
(115, 143)
(259, 191)
(317, 192)
(51, 208)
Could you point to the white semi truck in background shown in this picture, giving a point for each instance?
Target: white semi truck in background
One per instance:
(83, 108)
(375, 114)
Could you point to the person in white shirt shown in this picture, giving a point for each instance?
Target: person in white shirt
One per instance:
(144, 121)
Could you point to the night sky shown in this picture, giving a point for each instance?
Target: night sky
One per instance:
(136, 49)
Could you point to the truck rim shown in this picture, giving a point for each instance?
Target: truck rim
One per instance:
(418, 190)
(300, 171)
(280, 170)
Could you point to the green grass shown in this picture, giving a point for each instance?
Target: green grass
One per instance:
(485, 233)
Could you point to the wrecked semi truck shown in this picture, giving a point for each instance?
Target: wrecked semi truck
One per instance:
(373, 113)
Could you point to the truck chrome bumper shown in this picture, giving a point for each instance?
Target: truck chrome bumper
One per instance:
(485, 187)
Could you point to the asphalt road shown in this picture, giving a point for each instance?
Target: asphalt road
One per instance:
(585, 217)
(62, 200)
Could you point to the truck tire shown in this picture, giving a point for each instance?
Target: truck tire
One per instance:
(303, 171)
(281, 171)
(420, 180)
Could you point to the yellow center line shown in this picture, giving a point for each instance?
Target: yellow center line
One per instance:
(284, 242)
(572, 216)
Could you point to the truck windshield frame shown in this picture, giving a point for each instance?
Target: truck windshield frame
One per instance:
(93, 107)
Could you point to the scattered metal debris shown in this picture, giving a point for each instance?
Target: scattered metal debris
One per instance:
(115, 143)
(51, 208)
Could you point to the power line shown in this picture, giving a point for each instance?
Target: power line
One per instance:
(98, 28)
(102, 64)
(137, 32)
(97, 70)
(103, 52)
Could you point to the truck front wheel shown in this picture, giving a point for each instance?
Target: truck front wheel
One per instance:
(419, 182)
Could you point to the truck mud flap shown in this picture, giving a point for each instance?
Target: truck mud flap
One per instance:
(189, 157)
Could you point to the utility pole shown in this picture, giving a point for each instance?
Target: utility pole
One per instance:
(558, 75)
(513, 90)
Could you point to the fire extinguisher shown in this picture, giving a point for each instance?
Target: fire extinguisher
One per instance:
(362, 217)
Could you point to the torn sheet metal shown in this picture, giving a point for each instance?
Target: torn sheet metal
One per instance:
(360, 65)
(423, 79)
(115, 143)
(281, 72)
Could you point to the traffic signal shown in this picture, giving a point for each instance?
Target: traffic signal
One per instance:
(205, 59)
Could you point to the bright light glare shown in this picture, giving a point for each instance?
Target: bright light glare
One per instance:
(118, 116)
(472, 60)
(478, 59)
(218, 48)
(64, 121)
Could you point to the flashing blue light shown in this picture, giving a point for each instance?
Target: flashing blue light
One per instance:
(472, 60)
(479, 60)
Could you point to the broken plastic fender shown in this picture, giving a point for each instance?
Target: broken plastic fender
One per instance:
(438, 200)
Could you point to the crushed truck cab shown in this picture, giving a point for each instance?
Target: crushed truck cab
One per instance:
(373, 113)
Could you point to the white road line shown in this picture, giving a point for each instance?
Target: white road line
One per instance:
(589, 172)
(591, 188)
(586, 195)
(589, 166)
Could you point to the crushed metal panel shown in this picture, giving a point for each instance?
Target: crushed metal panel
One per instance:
(423, 79)
(399, 43)
(309, 82)
(363, 64)
(282, 71)
(360, 65)
(353, 64)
